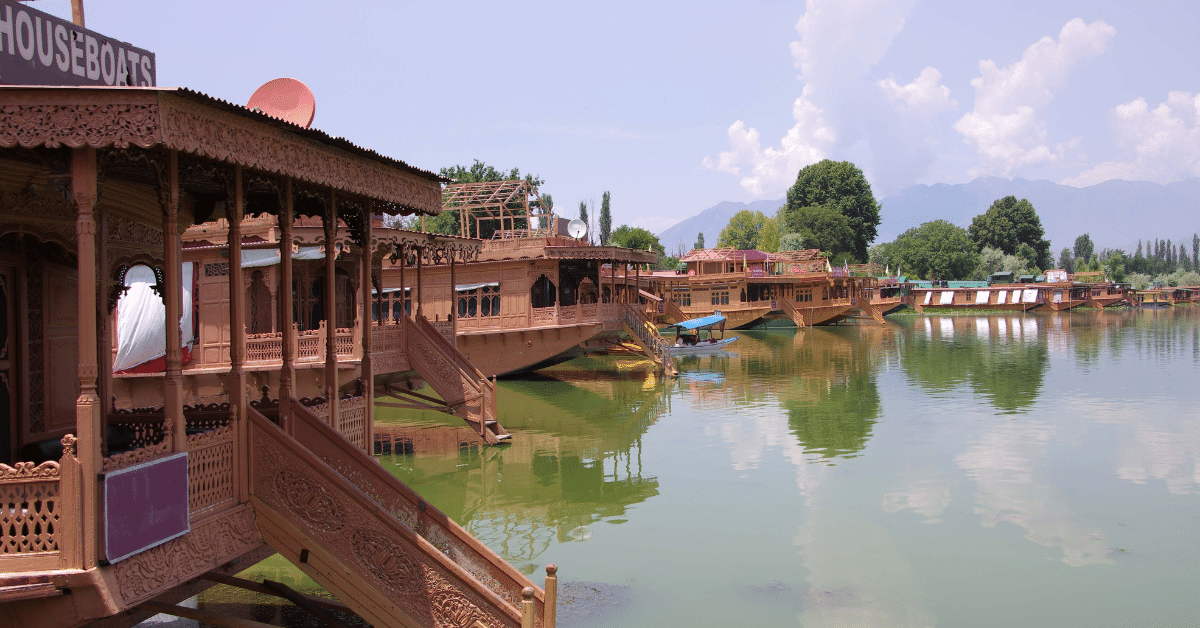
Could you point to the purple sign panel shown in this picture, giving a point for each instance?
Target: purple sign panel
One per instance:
(37, 48)
(145, 505)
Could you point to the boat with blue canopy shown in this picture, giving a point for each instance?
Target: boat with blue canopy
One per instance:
(690, 337)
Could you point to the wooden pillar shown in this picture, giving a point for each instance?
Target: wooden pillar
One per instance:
(453, 298)
(287, 369)
(235, 382)
(637, 286)
(368, 374)
(104, 329)
(331, 357)
(172, 297)
(403, 286)
(88, 407)
(420, 251)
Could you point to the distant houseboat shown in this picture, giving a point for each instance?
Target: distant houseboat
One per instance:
(531, 296)
(751, 286)
(975, 295)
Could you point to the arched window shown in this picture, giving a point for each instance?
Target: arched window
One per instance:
(587, 292)
(543, 293)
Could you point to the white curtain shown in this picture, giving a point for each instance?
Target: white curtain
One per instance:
(141, 316)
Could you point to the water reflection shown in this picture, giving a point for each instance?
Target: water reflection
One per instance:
(1002, 358)
(580, 464)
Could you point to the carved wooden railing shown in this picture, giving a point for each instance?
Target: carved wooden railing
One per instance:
(638, 325)
(264, 347)
(351, 421)
(29, 513)
(353, 546)
(210, 471)
(673, 312)
(409, 508)
(461, 385)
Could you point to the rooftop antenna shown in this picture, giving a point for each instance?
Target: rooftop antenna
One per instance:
(287, 99)
(577, 228)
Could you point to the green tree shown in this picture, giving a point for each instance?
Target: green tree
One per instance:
(840, 186)
(1007, 224)
(1115, 264)
(742, 231)
(791, 242)
(882, 255)
(605, 220)
(1084, 249)
(699, 241)
(636, 238)
(1066, 261)
(937, 249)
(448, 221)
(768, 236)
(1029, 256)
(823, 228)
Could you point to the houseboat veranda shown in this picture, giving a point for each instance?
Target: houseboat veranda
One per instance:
(218, 444)
(749, 287)
(529, 296)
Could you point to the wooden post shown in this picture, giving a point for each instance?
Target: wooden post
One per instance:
(550, 610)
(331, 369)
(287, 370)
(104, 330)
(420, 251)
(403, 287)
(368, 374)
(453, 298)
(235, 382)
(88, 406)
(171, 295)
(527, 614)
(77, 13)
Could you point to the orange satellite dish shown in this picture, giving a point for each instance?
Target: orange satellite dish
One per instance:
(286, 99)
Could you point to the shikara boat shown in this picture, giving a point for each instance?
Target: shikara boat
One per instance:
(695, 342)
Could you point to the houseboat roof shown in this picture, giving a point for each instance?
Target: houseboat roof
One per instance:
(725, 254)
(192, 122)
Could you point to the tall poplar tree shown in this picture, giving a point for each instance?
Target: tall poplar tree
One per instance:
(584, 217)
(605, 220)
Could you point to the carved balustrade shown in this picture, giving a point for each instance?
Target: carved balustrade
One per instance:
(29, 513)
(210, 471)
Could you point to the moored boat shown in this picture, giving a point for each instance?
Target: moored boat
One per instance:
(695, 342)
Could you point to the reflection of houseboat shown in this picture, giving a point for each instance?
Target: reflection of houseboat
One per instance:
(751, 286)
(530, 295)
(252, 440)
(974, 295)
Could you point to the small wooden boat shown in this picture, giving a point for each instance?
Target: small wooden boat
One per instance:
(689, 335)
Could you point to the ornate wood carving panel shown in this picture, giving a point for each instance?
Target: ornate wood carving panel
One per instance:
(210, 543)
(133, 120)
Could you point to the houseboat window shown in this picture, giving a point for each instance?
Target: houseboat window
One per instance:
(587, 292)
(543, 293)
(720, 297)
(479, 301)
(824, 294)
(682, 297)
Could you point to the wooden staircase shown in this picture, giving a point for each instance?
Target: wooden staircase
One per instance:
(868, 308)
(466, 391)
(646, 336)
(370, 540)
(798, 316)
(672, 312)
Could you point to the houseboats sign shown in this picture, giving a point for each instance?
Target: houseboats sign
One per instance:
(37, 48)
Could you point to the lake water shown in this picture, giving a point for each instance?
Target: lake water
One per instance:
(1002, 470)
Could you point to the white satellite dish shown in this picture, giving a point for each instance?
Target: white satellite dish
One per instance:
(577, 228)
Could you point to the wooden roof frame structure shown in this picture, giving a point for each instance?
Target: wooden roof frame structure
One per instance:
(501, 201)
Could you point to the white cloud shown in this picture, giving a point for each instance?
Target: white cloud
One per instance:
(773, 168)
(923, 98)
(1007, 127)
(840, 41)
(1165, 142)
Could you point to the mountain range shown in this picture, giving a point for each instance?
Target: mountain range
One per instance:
(1116, 214)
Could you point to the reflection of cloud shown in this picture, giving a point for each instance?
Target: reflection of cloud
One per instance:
(1170, 456)
(748, 439)
(1004, 465)
(857, 577)
(928, 498)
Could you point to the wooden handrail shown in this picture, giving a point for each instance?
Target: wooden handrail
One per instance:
(272, 445)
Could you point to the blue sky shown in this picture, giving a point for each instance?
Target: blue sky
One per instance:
(675, 106)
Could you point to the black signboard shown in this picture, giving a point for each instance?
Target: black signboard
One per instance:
(37, 48)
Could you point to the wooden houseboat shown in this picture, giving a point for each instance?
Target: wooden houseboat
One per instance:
(530, 295)
(751, 286)
(244, 439)
(975, 295)
(1184, 295)
(1101, 292)
(1152, 298)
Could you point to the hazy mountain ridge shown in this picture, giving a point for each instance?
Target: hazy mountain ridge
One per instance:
(710, 222)
(1115, 213)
